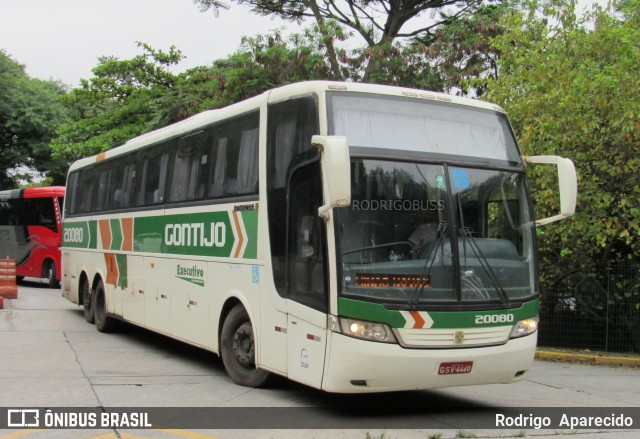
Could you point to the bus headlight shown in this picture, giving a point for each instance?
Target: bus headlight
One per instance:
(367, 330)
(524, 327)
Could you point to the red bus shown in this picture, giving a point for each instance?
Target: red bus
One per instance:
(31, 231)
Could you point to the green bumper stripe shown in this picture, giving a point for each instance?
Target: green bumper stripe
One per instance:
(374, 312)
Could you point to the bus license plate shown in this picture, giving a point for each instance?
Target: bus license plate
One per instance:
(455, 367)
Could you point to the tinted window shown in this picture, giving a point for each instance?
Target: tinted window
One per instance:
(123, 182)
(189, 168)
(154, 163)
(290, 128)
(28, 212)
(233, 157)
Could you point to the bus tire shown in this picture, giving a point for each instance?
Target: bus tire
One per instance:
(87, 303)
(104, 323)
(51, 275)
(237, 349)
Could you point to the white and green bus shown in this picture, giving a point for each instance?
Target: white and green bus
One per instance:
(351, 237)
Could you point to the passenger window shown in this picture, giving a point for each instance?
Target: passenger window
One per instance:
(72, 189)
(154, 176)
(189, 169)
(122, 182)
(100, 203)
(233, 157)
(218, 167)
(248, 162)
(86, 190)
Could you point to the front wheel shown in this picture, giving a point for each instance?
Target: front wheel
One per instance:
(104, 323)
(237, 349)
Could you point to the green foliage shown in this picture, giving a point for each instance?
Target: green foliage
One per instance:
(267, 61)
(125, 98)
(571, 87)
(379, 23)
(30, 111)
(462, 49)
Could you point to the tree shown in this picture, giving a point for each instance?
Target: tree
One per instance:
(121, 101)
(462, 50)
(380, 23)
(127, 98)
(571, 87)
(30, 112)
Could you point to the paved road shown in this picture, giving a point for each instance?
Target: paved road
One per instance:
(50, 357)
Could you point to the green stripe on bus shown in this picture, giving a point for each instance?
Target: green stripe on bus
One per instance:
(116, 234)
(194, 234)
(80, 234)
(250, 219)
(121, 260)
(373, 312)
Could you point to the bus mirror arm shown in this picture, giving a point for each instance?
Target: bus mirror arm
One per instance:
(567, 181)
(336, 172)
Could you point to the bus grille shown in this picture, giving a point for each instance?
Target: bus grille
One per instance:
(453, 338)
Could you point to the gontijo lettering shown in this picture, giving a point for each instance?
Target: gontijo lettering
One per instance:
(195, 234)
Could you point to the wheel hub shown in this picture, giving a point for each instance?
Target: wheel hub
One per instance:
(243, 346)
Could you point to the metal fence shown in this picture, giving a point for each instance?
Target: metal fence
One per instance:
(595, 308)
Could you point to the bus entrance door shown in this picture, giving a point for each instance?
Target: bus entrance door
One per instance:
(306, 273)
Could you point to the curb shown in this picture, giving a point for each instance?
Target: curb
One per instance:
(587, 358)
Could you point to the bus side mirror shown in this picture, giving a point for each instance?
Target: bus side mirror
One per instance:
(336, 171)
(567, 181)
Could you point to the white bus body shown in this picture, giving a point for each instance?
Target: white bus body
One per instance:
(412, 268)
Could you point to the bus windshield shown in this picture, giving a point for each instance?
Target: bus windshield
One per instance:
(396, 240)
(378, 121)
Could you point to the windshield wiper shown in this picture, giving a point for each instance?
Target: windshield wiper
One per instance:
(484, 263)
(426, 272)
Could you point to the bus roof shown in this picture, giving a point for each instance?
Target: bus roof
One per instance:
(274, 95)
(33, 192)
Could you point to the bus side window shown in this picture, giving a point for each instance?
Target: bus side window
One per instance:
(122, 182)
(86, 190)
(72, 187)
(101, 201)
(154, 176)
(189, 164)
(248, 162)
(233, 157)
(218, 167)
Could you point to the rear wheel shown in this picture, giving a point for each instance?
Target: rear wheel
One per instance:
(237, 349)
(86, 301)
(104, 323)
